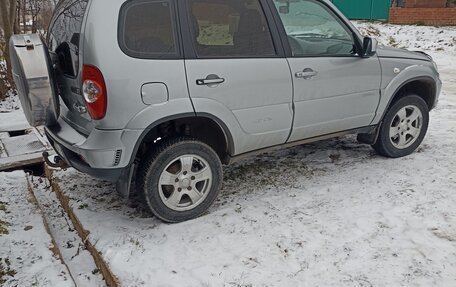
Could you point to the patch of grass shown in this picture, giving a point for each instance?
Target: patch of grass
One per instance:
(372, 31)
(266, 172)
(5, 270)
(238, 284)
(392, 42)
(3, 204)
(83, 206)
(4, 227)
(137, 244)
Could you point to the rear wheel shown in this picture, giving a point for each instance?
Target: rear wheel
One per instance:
(404, 127)
(180, 179)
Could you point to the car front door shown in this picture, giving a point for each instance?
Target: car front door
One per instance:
(236, 72)
(334, 88)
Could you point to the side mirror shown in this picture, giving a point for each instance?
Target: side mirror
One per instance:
(369, 47)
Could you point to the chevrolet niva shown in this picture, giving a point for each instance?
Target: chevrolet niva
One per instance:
(163, 92)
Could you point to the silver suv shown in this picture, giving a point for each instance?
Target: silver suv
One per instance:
(164, 92)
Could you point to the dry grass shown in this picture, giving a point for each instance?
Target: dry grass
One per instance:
(5, 270)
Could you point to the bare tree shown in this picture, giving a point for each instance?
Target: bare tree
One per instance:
(7, 20)
(20, 16)
(35, 7)
(43, 10)
(45, 16)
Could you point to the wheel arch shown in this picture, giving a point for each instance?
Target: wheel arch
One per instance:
(212, 131)
(424, 87)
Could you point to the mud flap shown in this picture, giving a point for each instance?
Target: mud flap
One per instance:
(124, 184)
(370, 138)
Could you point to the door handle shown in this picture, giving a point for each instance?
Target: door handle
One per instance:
(306, 74)
(211, 80)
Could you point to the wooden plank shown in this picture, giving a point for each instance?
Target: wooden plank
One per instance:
(3, 152)
(24, 144)
(39, 132)
(4, 135)
(55, 247)
(108, 275)
(24, 150)
(14, 162)
(13, 121)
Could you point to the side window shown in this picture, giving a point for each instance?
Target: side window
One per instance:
(230, 28)
(63, 37)
(147, 29)
(313, 29)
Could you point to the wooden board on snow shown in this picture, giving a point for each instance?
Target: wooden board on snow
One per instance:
(22, 148)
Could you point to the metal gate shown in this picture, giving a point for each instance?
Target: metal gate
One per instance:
(364, 9)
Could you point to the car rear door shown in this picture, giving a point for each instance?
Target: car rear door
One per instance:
(236, 70)
(334, 88)
(64, 42)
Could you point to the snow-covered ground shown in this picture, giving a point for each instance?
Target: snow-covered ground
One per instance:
(424, 38)
(26, 258)
(327, 214)
(11, 115)
(331, 213)
(11, 103)
(80, 263)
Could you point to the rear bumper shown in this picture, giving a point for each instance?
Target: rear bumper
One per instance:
(102, 154)
(75, 161)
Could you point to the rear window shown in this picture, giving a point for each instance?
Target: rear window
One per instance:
(147, 30)
(64, 34)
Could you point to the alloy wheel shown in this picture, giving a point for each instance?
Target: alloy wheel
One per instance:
(406, 127)
(185, 182)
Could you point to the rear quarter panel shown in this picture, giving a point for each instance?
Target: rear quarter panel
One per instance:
(125, 75)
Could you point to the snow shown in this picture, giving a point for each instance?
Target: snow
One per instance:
(11, 116)
(75, 255)
(332, 213)
(13, 121)
(25, 248)
(328, 214)
(11, 103)
(425, 38)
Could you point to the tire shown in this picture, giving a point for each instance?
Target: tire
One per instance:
(404, 127)
(180, 179)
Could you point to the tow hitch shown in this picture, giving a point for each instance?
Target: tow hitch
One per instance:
(58, 162)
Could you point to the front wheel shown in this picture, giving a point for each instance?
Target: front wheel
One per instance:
(404, 127)
(180, 179)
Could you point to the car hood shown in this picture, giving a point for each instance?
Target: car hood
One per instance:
(389, 52)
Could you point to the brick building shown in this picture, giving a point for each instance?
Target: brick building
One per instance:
(428, 12)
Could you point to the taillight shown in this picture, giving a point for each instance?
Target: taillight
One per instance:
(94, 91)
